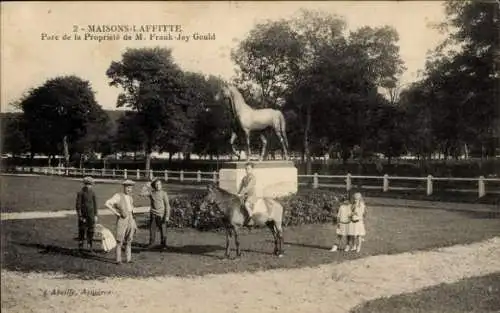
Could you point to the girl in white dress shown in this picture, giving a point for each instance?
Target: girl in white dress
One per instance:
(343, 221)
(356, 227)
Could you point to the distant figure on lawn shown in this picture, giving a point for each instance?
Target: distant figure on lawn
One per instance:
(159, 212)
(122, 205)
(86, 210)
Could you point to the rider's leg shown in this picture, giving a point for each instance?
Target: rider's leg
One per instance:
(248, 207)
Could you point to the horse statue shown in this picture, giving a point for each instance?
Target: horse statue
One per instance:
(253, 120)
(267, 212)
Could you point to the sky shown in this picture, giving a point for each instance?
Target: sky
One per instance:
(27, 61)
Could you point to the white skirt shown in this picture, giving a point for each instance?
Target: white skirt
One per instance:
(342, 229)
(356, 229)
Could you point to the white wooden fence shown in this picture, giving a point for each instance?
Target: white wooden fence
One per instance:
(343, 181)
(182, 176)
(347, 182)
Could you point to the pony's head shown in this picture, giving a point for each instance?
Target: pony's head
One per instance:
(209, 198)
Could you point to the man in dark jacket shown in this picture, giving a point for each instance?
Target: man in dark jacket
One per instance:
(86, 210)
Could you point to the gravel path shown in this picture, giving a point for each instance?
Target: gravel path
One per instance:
(328, 288)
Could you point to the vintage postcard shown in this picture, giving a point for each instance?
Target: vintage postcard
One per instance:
(250, 156)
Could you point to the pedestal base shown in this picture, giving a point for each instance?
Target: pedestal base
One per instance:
(274, 178)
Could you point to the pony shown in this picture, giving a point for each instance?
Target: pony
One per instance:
(267, 212)
(250, 119)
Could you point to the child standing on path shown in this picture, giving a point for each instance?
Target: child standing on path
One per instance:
(356, 228)
(343, 220)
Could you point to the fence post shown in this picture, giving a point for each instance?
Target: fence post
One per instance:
(198, 176)
(165, 174)
(125, 174)
(315, 181)
(51, 171)
(481, 187)
(103, 171)
(429, 185)
(214, 177)
(67, 171)
(348, 183)
(138, 174)
(113, 172)
(181, 176)
(386, 183)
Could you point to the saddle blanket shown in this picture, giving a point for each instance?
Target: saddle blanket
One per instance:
(262, 206)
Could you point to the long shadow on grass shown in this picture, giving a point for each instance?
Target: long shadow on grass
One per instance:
(187, 249)
(51, 249)
(307, 245)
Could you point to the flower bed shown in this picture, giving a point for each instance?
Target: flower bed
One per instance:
(313, 207)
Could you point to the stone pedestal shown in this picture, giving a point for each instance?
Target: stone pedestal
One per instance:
(274, 178)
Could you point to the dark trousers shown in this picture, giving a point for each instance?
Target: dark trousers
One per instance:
(155, 223)
(86, 228)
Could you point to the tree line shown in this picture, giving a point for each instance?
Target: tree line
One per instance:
(339, 92)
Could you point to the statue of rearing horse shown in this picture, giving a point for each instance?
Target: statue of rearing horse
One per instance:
(254, 120)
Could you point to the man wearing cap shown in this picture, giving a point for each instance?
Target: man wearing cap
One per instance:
(122, 205)
(159, 213)
(86, 210)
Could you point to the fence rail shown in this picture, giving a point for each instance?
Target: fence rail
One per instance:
(346, 181)
(167, 175)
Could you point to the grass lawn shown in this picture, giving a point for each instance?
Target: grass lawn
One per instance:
(52, 193)
(46, 193)
(473, 295)
(49, 245)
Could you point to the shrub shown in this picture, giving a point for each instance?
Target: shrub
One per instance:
(318, 206)
(314, 207)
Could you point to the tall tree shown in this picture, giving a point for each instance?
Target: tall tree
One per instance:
(265, 57)
(339, 89)
(462, 80)
(129, 135)
(155, 87)
(321, 74)
(214, 121)
(99, 136)
(14, 139)
(58, 114)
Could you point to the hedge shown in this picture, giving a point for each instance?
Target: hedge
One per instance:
(314, 207)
